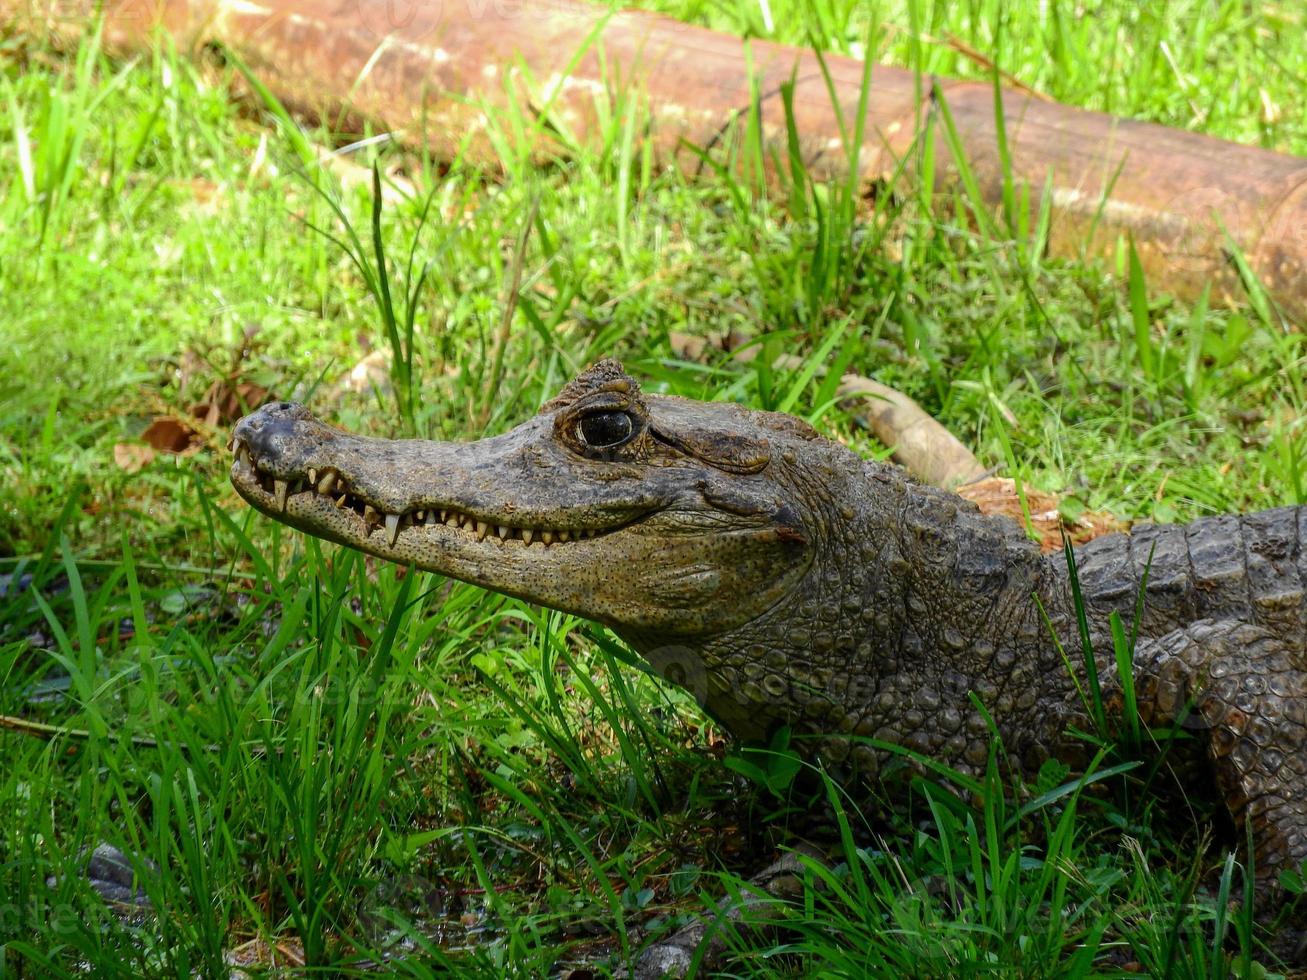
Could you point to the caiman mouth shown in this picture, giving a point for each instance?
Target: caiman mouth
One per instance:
(314, 487)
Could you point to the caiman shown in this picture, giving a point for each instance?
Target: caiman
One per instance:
(788, 582)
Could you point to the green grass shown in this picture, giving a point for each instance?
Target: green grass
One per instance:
(313, 749)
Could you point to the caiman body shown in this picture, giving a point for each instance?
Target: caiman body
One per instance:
(786, 581)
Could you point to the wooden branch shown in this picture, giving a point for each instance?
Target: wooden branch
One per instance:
(918, 442)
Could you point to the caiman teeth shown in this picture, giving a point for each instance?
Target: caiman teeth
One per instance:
(327, 482)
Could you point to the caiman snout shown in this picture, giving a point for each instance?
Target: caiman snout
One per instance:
(277, 450)
(266, 430)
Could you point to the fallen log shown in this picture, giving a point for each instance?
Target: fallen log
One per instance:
(431, 70)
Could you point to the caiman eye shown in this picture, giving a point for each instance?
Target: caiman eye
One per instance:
(604, 430)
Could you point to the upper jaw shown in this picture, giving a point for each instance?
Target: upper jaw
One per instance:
(374, 491)
(301, 495)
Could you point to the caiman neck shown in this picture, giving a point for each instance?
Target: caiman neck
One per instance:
(913, 596)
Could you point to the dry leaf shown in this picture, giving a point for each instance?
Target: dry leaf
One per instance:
(169, 434)
(132, 457)
(223, 404)
(371, 372)
(998, 495)
(207, 197)
(260, 953)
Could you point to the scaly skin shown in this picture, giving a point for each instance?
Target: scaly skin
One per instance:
(784, 580)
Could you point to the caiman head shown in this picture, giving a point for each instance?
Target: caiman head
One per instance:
(671, 521)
